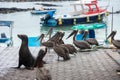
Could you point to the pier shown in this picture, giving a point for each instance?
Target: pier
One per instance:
(94, 65)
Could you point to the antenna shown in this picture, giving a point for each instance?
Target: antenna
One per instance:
(112, 21)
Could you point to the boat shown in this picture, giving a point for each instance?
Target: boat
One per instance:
(90, 12)
(6, 40)
(38, 12)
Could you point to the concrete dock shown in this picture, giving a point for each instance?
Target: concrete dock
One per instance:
(93, 65)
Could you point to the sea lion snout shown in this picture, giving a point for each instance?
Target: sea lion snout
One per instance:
(19, 35)
(22, 36)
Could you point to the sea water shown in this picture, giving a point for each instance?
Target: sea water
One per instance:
(26, 23)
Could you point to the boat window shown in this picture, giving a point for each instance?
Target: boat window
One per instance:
(93, 8)
(3, 35)
(4, 32)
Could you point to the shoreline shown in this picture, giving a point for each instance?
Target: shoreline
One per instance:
(13, 9)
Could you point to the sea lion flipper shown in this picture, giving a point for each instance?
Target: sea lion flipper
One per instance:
(15, 67)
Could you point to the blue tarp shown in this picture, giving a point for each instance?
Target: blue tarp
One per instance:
(79, 37)
(5, 23)
(32, 41)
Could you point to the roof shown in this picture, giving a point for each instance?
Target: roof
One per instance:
(6, 23)
(89, 26)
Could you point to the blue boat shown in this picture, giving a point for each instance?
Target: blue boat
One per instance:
(38, 12)
(4, 39)
(90, 13)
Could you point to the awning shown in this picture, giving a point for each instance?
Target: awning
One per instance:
(6, 23)
(89, 26)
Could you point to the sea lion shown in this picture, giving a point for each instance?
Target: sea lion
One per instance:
(41, 72)
(25, 56)
(39, 60)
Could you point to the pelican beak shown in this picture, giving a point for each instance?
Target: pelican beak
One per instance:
(73, 32)
(49, 32)
(85, 34)
(40, 37)
(62, 35)
(110, 34)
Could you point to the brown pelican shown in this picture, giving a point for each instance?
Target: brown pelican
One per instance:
(68, 47)
(60, 41)
(55, 37)
(71, 48)
(47, 43)
(116, 43)
(91, 41)
(61, 52)
(79, 44)
(51, 39)
(50, 31)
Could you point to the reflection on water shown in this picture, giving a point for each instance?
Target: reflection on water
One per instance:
(26, 23)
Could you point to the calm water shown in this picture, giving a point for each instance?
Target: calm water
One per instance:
(25, 23)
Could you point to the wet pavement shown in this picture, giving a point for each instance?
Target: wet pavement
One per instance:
(93, 65)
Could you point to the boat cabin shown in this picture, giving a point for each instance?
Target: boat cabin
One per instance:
(6, 40)
(87, 7)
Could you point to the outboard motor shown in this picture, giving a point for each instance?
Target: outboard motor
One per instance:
(48, 16)
(48, 20)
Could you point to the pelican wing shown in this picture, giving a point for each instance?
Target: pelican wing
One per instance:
(82, 44)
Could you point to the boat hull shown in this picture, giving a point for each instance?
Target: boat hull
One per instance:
(73, 20)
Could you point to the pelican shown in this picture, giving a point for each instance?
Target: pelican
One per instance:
(68, 47)
(50, 31)
(116, 43)
(61, 51)
(91, 41)
(79, 44)
(50, 42)
(71, 48)
(47, 43)
(60, 41)
(54, 37)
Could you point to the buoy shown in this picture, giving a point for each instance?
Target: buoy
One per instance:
(99, 18)
(88, 19)
(74, 21)
(107, 13)
(60, 21)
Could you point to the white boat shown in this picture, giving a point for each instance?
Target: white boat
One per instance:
(90, 12)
